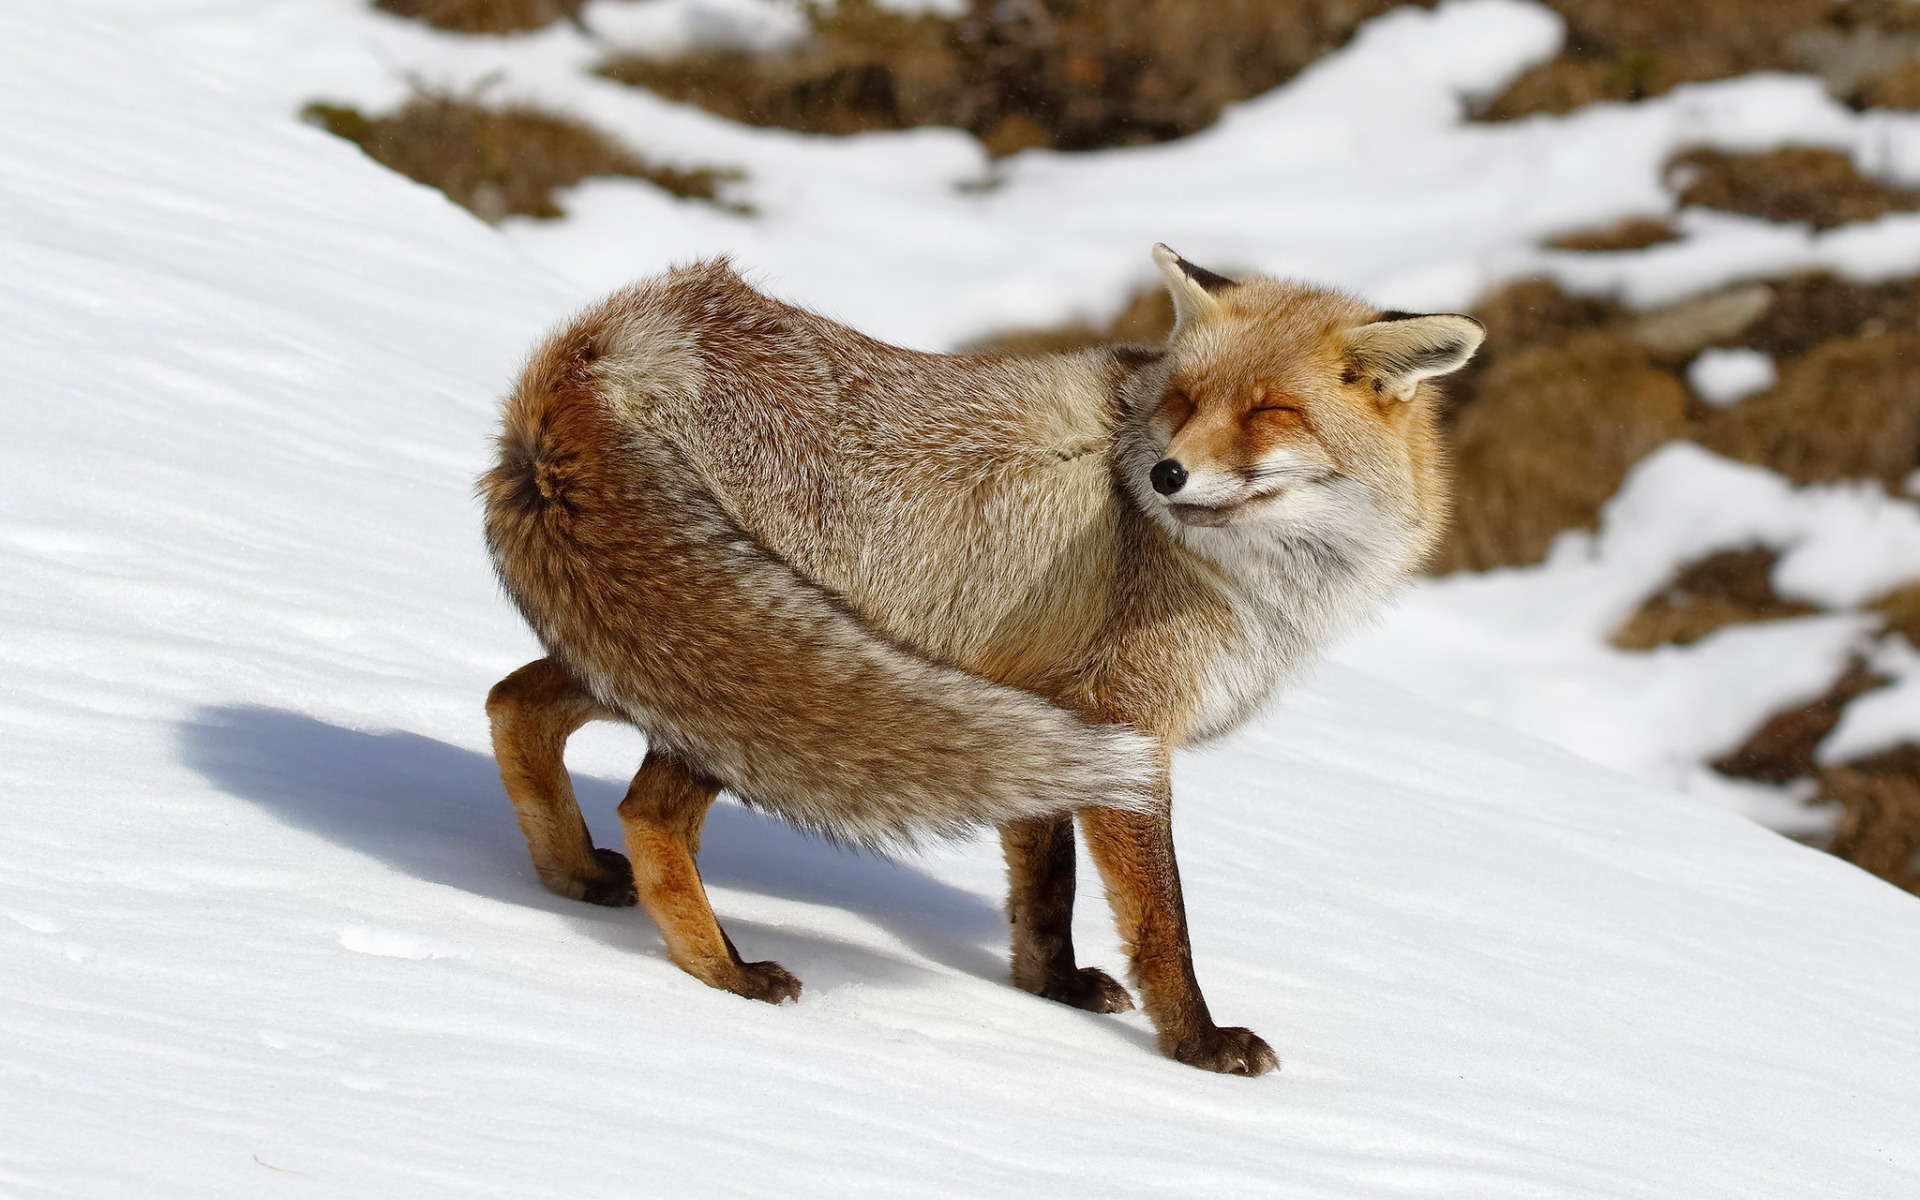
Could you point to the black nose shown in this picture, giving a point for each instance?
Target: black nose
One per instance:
(1167, 476)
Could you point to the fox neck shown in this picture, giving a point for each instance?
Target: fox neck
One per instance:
(1292, 592)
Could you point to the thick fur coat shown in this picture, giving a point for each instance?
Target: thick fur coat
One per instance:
(885, 593)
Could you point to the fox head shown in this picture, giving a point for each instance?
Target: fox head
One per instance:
(1283, 410)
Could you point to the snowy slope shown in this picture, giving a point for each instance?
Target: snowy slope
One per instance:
(268, 925)
(1361, 172)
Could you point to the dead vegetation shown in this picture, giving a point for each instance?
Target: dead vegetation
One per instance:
(1847, 405)
(1626, 50)
(1799, 183)
(1900, 609)
(1635, 233)
(1847, 409)
(502, 161)
(1550, 433)
(1879, 829)
(1734, 587)
(1069, 74)
(1810, 309)
(1878, 796)
(484, 16)
(1782, 749)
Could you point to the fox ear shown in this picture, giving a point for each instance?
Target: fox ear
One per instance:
(1193, 288)
(1399, 350)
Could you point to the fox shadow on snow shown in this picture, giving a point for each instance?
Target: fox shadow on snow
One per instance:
(437, 812)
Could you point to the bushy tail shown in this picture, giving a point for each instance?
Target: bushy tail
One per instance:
(633, 576)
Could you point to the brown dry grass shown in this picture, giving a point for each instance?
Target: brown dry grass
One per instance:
(484, 16)
(1880, 814)
(1635, 233)
(1631, 49)
(1625, 50)
(1070, 74)
(1810, 309)
(1782, 748)
(1847, 406)
(1547, 438)
(1901, 610)
(500, 161)
(1898, 87)
(1798, 183)
(1847, 409)
(1734, 587)
(1535, 312)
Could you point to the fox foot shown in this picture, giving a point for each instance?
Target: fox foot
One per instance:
(1230, 1051)
(767, 981)
(1087, 988)
(611, 886)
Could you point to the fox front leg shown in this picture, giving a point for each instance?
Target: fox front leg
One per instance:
(1040, 885)
(1134, 852)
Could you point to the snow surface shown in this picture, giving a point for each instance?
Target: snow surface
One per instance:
(1528, 647)
(1724, 377)
(269, 926)
(1361, 172)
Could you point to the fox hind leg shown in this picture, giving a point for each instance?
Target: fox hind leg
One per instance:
(662, 815)
(1040, 886)
(533, 712)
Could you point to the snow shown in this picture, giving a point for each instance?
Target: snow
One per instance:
(1724, 377)
(268, 923)
(1362, 172)
(1527, 647)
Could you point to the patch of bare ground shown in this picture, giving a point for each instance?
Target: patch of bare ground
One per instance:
(1798, 183)
(1548, 436)
(1635, 233)
(1782, 749)
(1631, 49)
(1900, 609)
(1807, 310)
(1847, 405)
(1846, 409)
(1879, 799)
(501, 161)
(1734, 587)
(484, 16)
(1878, 796)
(1069, 74)
(1626, 50)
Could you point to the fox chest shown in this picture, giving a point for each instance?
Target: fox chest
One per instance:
(1288, 607)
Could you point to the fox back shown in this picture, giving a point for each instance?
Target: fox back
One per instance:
(990, 519)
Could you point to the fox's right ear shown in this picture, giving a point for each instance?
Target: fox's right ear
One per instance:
(1399, 350)
(1193, 288)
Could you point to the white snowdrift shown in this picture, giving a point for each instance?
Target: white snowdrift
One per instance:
(268, 926)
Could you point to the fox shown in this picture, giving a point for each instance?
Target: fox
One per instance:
(888, 595)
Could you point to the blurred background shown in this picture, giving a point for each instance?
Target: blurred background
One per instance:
(1686, 541)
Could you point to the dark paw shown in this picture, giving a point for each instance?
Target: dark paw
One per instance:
(767, 981)
(1230, 1051)
(1089, 988)
(613, 886)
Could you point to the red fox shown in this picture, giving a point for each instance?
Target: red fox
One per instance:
(885, 594)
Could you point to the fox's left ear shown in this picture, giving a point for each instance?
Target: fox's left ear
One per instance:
(1399, 350)
(1193, 288)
